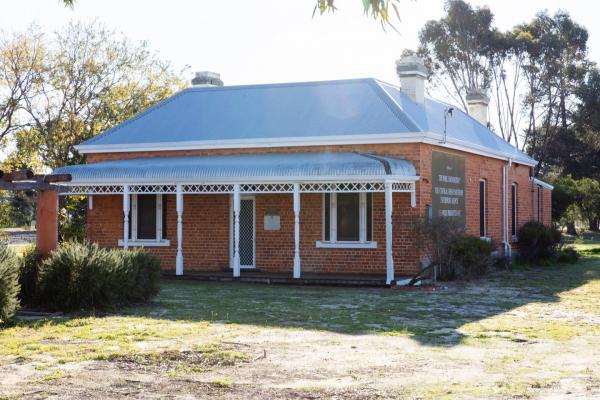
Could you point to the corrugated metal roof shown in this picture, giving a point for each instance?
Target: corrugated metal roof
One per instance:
(241, 168)
(460, 126)
(331, 108)
(344, 108)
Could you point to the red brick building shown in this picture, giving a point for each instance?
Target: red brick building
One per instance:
(303, 178)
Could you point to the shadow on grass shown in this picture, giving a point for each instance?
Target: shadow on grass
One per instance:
(430, 318)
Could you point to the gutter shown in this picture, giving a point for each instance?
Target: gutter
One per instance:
(311, 141)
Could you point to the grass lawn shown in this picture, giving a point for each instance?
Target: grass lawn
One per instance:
(527, 333)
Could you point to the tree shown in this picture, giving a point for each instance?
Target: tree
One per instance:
(456, 48)
(555, 64)
(467, 54)
(564, 196)
(20, 58)
(576, 151)
(588, 201)
(90, 80)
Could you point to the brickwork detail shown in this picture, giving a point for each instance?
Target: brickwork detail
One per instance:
(206, 217)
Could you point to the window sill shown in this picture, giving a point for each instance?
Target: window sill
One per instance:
(346, 245)
(146, 243)
(486, 239)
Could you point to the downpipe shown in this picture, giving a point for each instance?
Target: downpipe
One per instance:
(505, 242)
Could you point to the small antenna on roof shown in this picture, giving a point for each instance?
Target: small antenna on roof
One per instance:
(447, 112)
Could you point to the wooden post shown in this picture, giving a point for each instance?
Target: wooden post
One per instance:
(388, 234)
(179, 259)
(296, 231)
(236, 230)
(46, 221)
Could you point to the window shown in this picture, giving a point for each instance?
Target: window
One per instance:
(347, 220)
(147, 220)
(482, 211)
(513, 204)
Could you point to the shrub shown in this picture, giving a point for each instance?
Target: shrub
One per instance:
(31, 262)
(83, 276)
(469, 257)
(538, 242)
(9, 282)
(138, 275)
(568, 255)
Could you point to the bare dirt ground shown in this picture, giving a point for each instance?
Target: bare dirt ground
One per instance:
(523, 334)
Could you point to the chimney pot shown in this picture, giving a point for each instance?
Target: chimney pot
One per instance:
(477, 102)
(206, 79)
(412, 73)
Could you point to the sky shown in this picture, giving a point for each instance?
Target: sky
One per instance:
(265, 41)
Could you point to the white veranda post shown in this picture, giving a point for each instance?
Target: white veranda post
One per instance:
(388, 234)
(126, 208)
(236, 230)
(179, 206)
(296, 230)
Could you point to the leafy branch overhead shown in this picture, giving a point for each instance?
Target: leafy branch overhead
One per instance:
(378, 9)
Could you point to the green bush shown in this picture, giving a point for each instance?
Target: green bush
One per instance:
(138, 275)
(468, 257)
(31, 262)
(538, 242)
(83, 276)
(9, 282)
(568, 255)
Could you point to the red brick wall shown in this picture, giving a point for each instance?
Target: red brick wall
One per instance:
(206, 217)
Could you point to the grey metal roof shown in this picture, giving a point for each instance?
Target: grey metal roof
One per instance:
(241, 168)
(341, 108)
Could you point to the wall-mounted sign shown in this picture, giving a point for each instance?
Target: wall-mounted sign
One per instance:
(448, 186)
(272, 223)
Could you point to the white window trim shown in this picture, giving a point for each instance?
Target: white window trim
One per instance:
(362, 243)
(146, 243)
(133, 240)
(345, 245)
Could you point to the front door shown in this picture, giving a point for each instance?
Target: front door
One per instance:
(247, 232)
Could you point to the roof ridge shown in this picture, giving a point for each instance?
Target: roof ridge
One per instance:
(395, 108)
(276, 85)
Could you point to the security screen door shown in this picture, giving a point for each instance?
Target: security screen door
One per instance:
(247, 232)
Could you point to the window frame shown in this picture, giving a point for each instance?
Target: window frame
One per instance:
(483, 209)
(329, 239)
(133, 240)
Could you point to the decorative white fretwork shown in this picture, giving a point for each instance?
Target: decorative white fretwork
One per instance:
(248, 188)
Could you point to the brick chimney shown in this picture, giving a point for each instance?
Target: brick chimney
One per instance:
(477, 102)
(206, 79)
(412, 73)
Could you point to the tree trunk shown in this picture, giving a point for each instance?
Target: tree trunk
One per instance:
(593, 224)
(571, 228)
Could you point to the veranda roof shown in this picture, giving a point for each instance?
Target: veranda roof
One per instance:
(263, 168)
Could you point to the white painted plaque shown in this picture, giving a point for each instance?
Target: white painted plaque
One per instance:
(272, 223)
